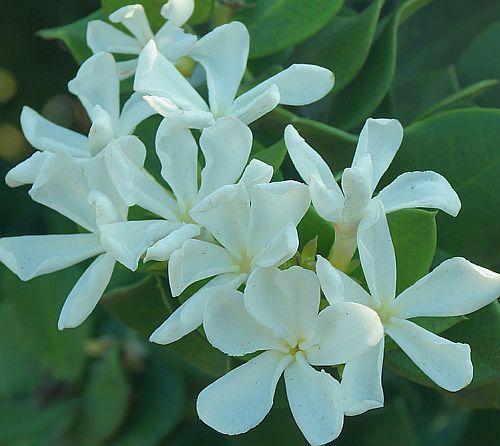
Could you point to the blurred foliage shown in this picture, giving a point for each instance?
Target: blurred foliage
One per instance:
(433, 64)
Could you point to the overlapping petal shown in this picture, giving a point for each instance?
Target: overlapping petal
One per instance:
(102, 36)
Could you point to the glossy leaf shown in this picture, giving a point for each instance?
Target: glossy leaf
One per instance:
(342, 45)
(273, 155)
(276, 25)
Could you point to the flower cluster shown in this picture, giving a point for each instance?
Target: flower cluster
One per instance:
(218, 217)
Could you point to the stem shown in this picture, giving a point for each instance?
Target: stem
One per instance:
(343, 247)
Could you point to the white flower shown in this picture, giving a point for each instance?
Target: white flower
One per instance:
(97, 87)
(378, 143)
(456, 287)
(171, 39)
(278, 314)
(223, 53)
(256, 228)
(226, 149)
(61, 185)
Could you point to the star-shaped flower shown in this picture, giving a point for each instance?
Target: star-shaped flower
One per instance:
(97, 86)
(456, 287)
(278, 314)
(171, 40)
(223, 53)
(347, 207)
(62, 185)
(256, 228)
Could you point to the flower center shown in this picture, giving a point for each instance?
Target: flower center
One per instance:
(386, 311)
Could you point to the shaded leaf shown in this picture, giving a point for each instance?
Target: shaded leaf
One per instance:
(202, 13)
(276, 25)
(311, 226)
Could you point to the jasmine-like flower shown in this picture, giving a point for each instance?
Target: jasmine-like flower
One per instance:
(278, 314)
(223, 53)
(171, 40)
(456, 287)
(347, 207)
(97, 86)
(61, 185)
(256, 228)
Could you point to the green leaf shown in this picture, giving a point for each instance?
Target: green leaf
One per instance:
(469, 92)
(480, 61)
(311, 226)
(273, 155)
(342, 45)
(484, 397)
(139, 306)
(413, 234)
(366, 92)
(334, 145)
(105, 400)
(158, 406)
(461, 145)
(73, 36)
(35, 306)
(202, 13)
(276, 25)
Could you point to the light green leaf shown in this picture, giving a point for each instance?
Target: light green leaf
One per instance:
(202, 13)
(461, 145)
(73, 36)
(105, 400)
(311, 226)
(139, 306)
(273, 155)
(342, 45)
(365, 93)
(152, 8)
(276, 25)
(469, 92)
(480, 61)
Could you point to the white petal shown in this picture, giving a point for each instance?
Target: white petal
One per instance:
(86, 293)
(329, 204)
(280, 249)
(339, 287)
(97, 83)
(232, 329)
(223, 52)
(262, 104)
(178, 11)
(274, 205)
(157, 76)
(362, 381)
(127, 241)
(316, 402)
(420, 190)
(134, 148)
(299, 84)
(102, 36)
(126, 68)
(26, 171)
(454, 288)
(192, 119)
(257, 172)
(45, 135)
(226, 147)
(163, 248)
(189, 316)
(376, 253)
(178, 153)
(173, 42)
(62, 186)
(379, 138)
(308, 162)
(343, 332)
(197, 260)
(447, 363)
(137, 187)
(225, 214)
(133, 17)
(356, 184)
(30, 256)
(105, 210)
(285, 301)
(134, 111)
(242, 398)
